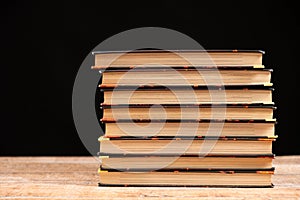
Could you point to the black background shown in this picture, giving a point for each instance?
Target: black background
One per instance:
(43, 45)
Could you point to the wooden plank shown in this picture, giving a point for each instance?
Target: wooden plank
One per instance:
(77, 178)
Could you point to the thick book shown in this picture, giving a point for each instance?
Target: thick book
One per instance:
(171, 58)
(187, 95)
(223, 178)
(188, 76)
(190, 128)
(134, 163)
(186, 146)
(197, 112)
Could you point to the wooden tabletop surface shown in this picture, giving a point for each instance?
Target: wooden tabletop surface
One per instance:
(77, 178)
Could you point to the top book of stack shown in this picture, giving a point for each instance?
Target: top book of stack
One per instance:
(179, 58)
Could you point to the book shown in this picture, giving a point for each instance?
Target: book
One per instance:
(186, 146)
(194, 178)
(185, 76)
(191, 128)
(135, 163)
(171, 58)
(186, 95)
(185, 112)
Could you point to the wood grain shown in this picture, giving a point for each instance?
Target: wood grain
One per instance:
(77, 178)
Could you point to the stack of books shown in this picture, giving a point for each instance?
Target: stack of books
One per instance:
(186, 118)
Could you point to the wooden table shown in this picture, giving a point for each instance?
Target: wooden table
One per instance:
(77, 178)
